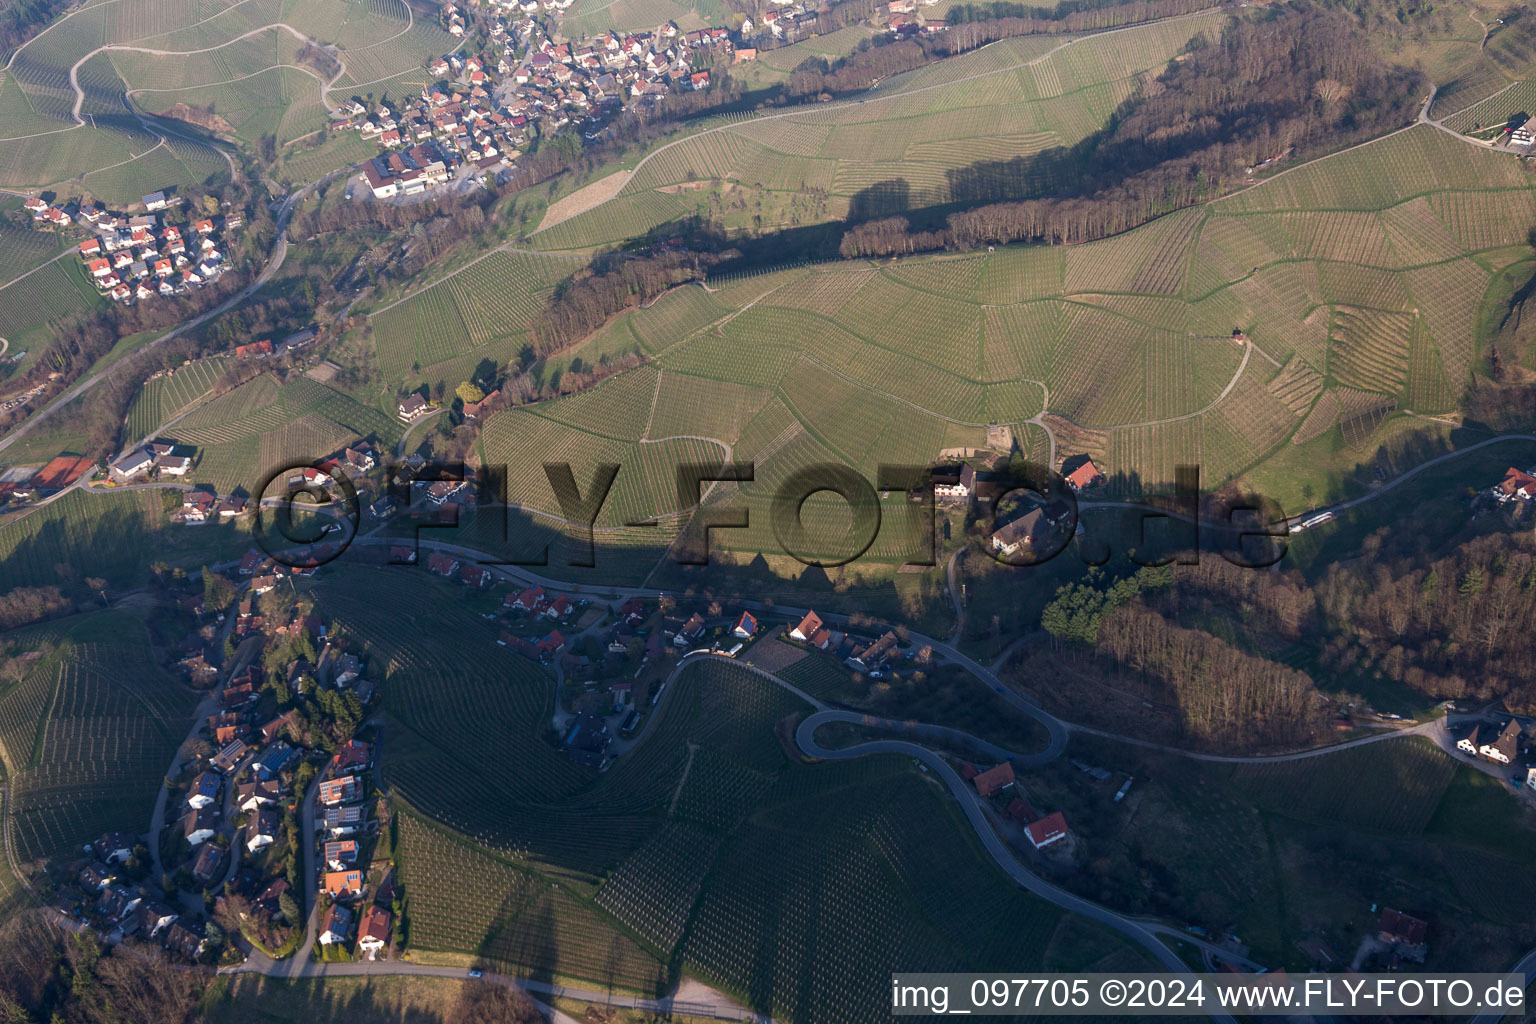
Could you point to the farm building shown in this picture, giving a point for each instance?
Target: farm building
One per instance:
(1505, 747)
(1023, 533)
(959, 486)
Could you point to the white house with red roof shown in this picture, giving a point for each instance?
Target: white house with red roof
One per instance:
(1047, 830)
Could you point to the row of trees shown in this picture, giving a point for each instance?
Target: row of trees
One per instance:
(610, 285)
(1293, 86)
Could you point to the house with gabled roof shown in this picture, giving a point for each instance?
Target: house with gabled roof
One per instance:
(1406, 936)
(746, 626)
(343, 884)
(994, 780)
(352, 754)
(250, 796)
(335, 925)
(227, 759)
(205, 866)
(199, 825)
(340, 791)
(1505, 747)
(1047, 830)
(1023, 534)
(205, 790)
(1082, 473)
(476, 576)
(114, 847)
(442, 565)
(340, 854)
(1516, 485)
(527, 600)
(262, 828)
(808, 627)
(373, 932)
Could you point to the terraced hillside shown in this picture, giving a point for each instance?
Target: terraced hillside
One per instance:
(87, 734)
(1356, 281)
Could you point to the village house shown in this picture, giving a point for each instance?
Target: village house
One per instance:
(249, 796)
(1082, 473)
(114, 847)
(530, 599)
(335, 925)
(340, 854)
(1516, 486)
(373, 932)
(198, 826)
(959, 487)
(810, 631)
(1406, 936)
(206, 865)
(1023, 534)
(872, 656)
(1047, 830)
(1505, 747)
(994, 780)
(352, 755)
(262, 828)
(746, 626)
(205, 790)
(413, 406)
(96, 876)
(185, 938)
(227, 759)
(343, 884)
(340, 791)
(344, 820)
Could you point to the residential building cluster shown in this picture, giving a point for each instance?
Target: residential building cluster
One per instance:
(482, 112)
(874, 656)
(132, 258)
(104, 896)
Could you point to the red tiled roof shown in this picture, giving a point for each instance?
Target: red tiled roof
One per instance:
(994, 779)
(1052, 826)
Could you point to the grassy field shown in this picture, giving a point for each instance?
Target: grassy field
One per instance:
(87, 735)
